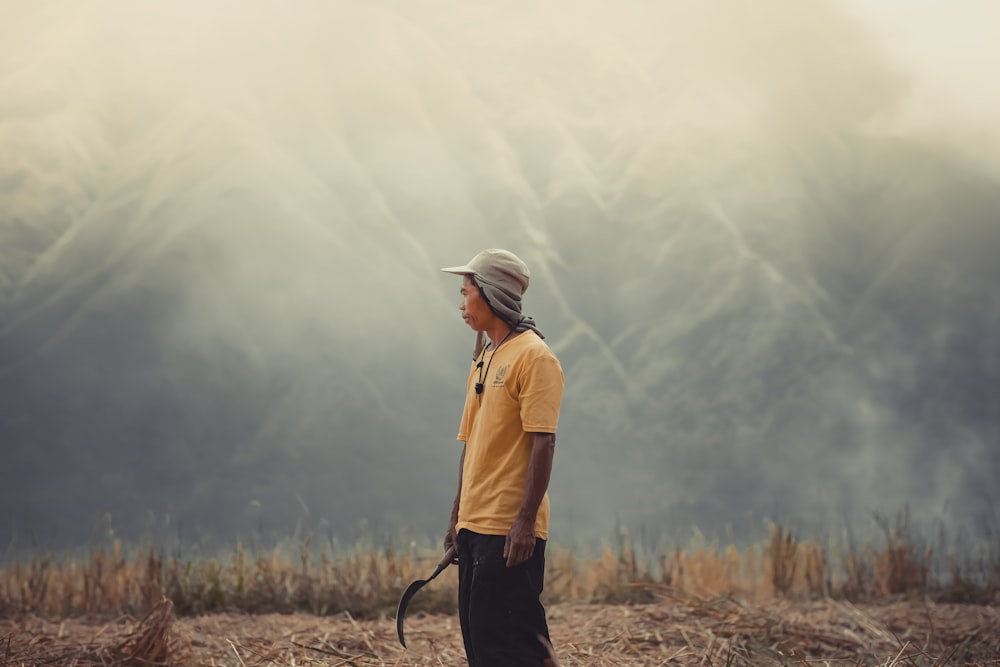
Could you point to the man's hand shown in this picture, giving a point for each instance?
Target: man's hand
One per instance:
(520, 544)
(451, 539)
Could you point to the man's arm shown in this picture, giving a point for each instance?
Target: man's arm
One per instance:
(450, 536)
(520, 543)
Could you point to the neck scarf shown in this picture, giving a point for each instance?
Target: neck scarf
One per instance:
(507, 306)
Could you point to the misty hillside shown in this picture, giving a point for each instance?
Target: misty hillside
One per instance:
(221, 227)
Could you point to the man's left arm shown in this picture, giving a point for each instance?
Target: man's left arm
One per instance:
(520, 543)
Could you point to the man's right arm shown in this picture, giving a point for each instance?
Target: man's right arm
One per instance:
(450, 537)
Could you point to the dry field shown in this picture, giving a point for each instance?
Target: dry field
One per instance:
(780, 602)
(670, 631)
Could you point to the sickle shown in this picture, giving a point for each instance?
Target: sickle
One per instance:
(411, 590)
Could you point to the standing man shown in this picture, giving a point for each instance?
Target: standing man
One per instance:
(500, 519)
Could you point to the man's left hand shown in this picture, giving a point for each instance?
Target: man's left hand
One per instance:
(520, 544)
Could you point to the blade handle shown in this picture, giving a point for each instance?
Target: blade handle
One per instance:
(450, 556)
(446, 560)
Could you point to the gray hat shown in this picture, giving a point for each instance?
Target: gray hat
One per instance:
(498, 268)
(502, 279)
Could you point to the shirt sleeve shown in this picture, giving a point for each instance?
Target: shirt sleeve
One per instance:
(541, 393)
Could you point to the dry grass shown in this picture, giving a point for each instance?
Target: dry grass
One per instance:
(365, 583)
(782, 601)
(672, 630)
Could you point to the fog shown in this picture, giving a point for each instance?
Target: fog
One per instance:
(763, 244)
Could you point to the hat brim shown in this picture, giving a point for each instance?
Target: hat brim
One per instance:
(459, 270)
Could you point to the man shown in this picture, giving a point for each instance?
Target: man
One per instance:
(500, 518)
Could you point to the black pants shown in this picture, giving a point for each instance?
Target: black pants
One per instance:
(498, 606)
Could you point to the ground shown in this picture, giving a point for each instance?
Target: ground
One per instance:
(671, 631)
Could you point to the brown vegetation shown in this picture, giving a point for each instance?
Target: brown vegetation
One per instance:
(670, 631)
(783, 601)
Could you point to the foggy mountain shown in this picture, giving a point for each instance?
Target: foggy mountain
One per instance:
(221, 227)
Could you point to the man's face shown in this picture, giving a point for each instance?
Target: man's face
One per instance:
(475, 312)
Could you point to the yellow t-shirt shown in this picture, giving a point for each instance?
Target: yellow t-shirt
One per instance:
(521, 395)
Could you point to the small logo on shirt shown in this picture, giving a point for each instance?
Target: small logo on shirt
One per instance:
(498, 378)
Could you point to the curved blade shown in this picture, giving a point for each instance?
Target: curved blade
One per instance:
(411, 590)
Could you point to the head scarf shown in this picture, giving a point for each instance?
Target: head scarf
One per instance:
(507, 306)
(502, 279)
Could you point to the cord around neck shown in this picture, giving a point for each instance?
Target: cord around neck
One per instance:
(479, 385)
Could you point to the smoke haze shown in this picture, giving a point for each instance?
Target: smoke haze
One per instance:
(763, 244)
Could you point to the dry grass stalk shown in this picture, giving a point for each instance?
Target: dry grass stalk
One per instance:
(367, 583)
(150, 643)
(782, 554)
(900, 568)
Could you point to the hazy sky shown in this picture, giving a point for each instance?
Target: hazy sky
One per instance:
(760, 236)
(951, 52)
